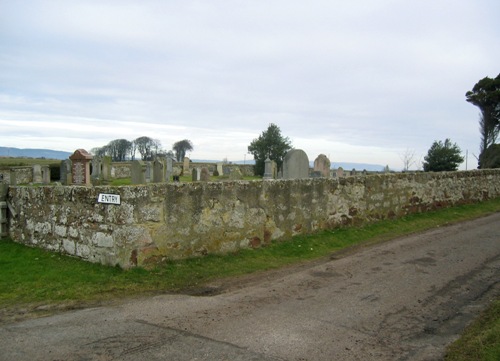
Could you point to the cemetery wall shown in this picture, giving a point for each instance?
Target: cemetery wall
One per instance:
(22, 174)
(177, 220)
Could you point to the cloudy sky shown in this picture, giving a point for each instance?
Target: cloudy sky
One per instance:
(360, 80)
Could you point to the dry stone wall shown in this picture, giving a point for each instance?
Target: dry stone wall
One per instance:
(177, 220)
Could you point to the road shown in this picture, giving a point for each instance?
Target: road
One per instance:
(401, 300)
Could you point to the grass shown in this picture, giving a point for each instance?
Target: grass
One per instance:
(16, 162)
(481, 340)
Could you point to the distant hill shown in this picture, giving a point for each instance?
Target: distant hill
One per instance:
(33, 153)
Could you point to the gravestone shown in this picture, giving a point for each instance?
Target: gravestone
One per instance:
(340, 172)
(138, 172)
(322, 166)
(195, 175)
(205, 174)
(148, 175)
(45, 174)
(37, 174)
(80, 170)
(106, 168)
(185, 166)
(296, 165)
(170, 169)
(65, 172)
(268, 169)
(158, 171)
(219, 168)
(353, 172)
(96, 168)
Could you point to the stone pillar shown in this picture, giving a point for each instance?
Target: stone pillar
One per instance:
(65, 172)
(185, 166)
(268, 169)
(80, 170)
(37, 174)
(45, 174)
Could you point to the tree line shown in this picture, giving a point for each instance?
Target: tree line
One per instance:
(148, 148)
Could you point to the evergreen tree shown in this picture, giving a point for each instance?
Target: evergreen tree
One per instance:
(443, 157)
(269, 144)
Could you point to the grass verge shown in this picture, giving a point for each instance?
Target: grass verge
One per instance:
(481, 340)
(32, 277)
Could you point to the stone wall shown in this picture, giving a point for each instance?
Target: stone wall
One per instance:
(22, 174)
(177, 220)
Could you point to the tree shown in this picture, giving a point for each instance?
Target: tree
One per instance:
(486, 96)
(145, 146)
(491, 157)
(181, 147)
(269, 144)
(408, 158)
(118, 149)
(443, 157)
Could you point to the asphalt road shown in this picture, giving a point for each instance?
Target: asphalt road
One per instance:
(401, 300)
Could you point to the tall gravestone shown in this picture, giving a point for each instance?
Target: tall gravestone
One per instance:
(106, 167)
(268, 169)
(138, 171)
(296, 165)
(65, 172)
(170, 169)
(219, 168)
(45, 174)
(185, 166)
(158, 171)
(340, 172)
(80, 171)
(204, 174)
(96, 168)
(322, 166)
(37, 174)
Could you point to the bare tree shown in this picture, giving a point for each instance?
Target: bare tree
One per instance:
(408, 158)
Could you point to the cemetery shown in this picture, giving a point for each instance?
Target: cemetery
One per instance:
(157, 219)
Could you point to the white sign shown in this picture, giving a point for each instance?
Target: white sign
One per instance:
(108, 198)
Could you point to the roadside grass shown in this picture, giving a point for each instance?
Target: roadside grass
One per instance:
(481, 340)
(30, 277)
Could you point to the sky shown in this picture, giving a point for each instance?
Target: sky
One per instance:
(364, 81)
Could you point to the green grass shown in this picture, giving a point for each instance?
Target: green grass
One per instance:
(16, 162)
(481, 340)
(31, 276)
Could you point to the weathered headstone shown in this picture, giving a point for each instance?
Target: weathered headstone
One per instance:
(37, 173)
(185, 166)
(353, 172)
(65, 172)
(158, 171)
(194, 174)
(106, 168)
(219, 168)
(95, 172)
(340, 172)
(205, 174)
(296, 165)
(170, 169)
(149, 172)
(138, 172)
(45, 174)
(268, 169)
(322, 166)
(80, 171)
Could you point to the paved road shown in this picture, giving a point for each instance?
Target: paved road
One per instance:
(402, 300)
